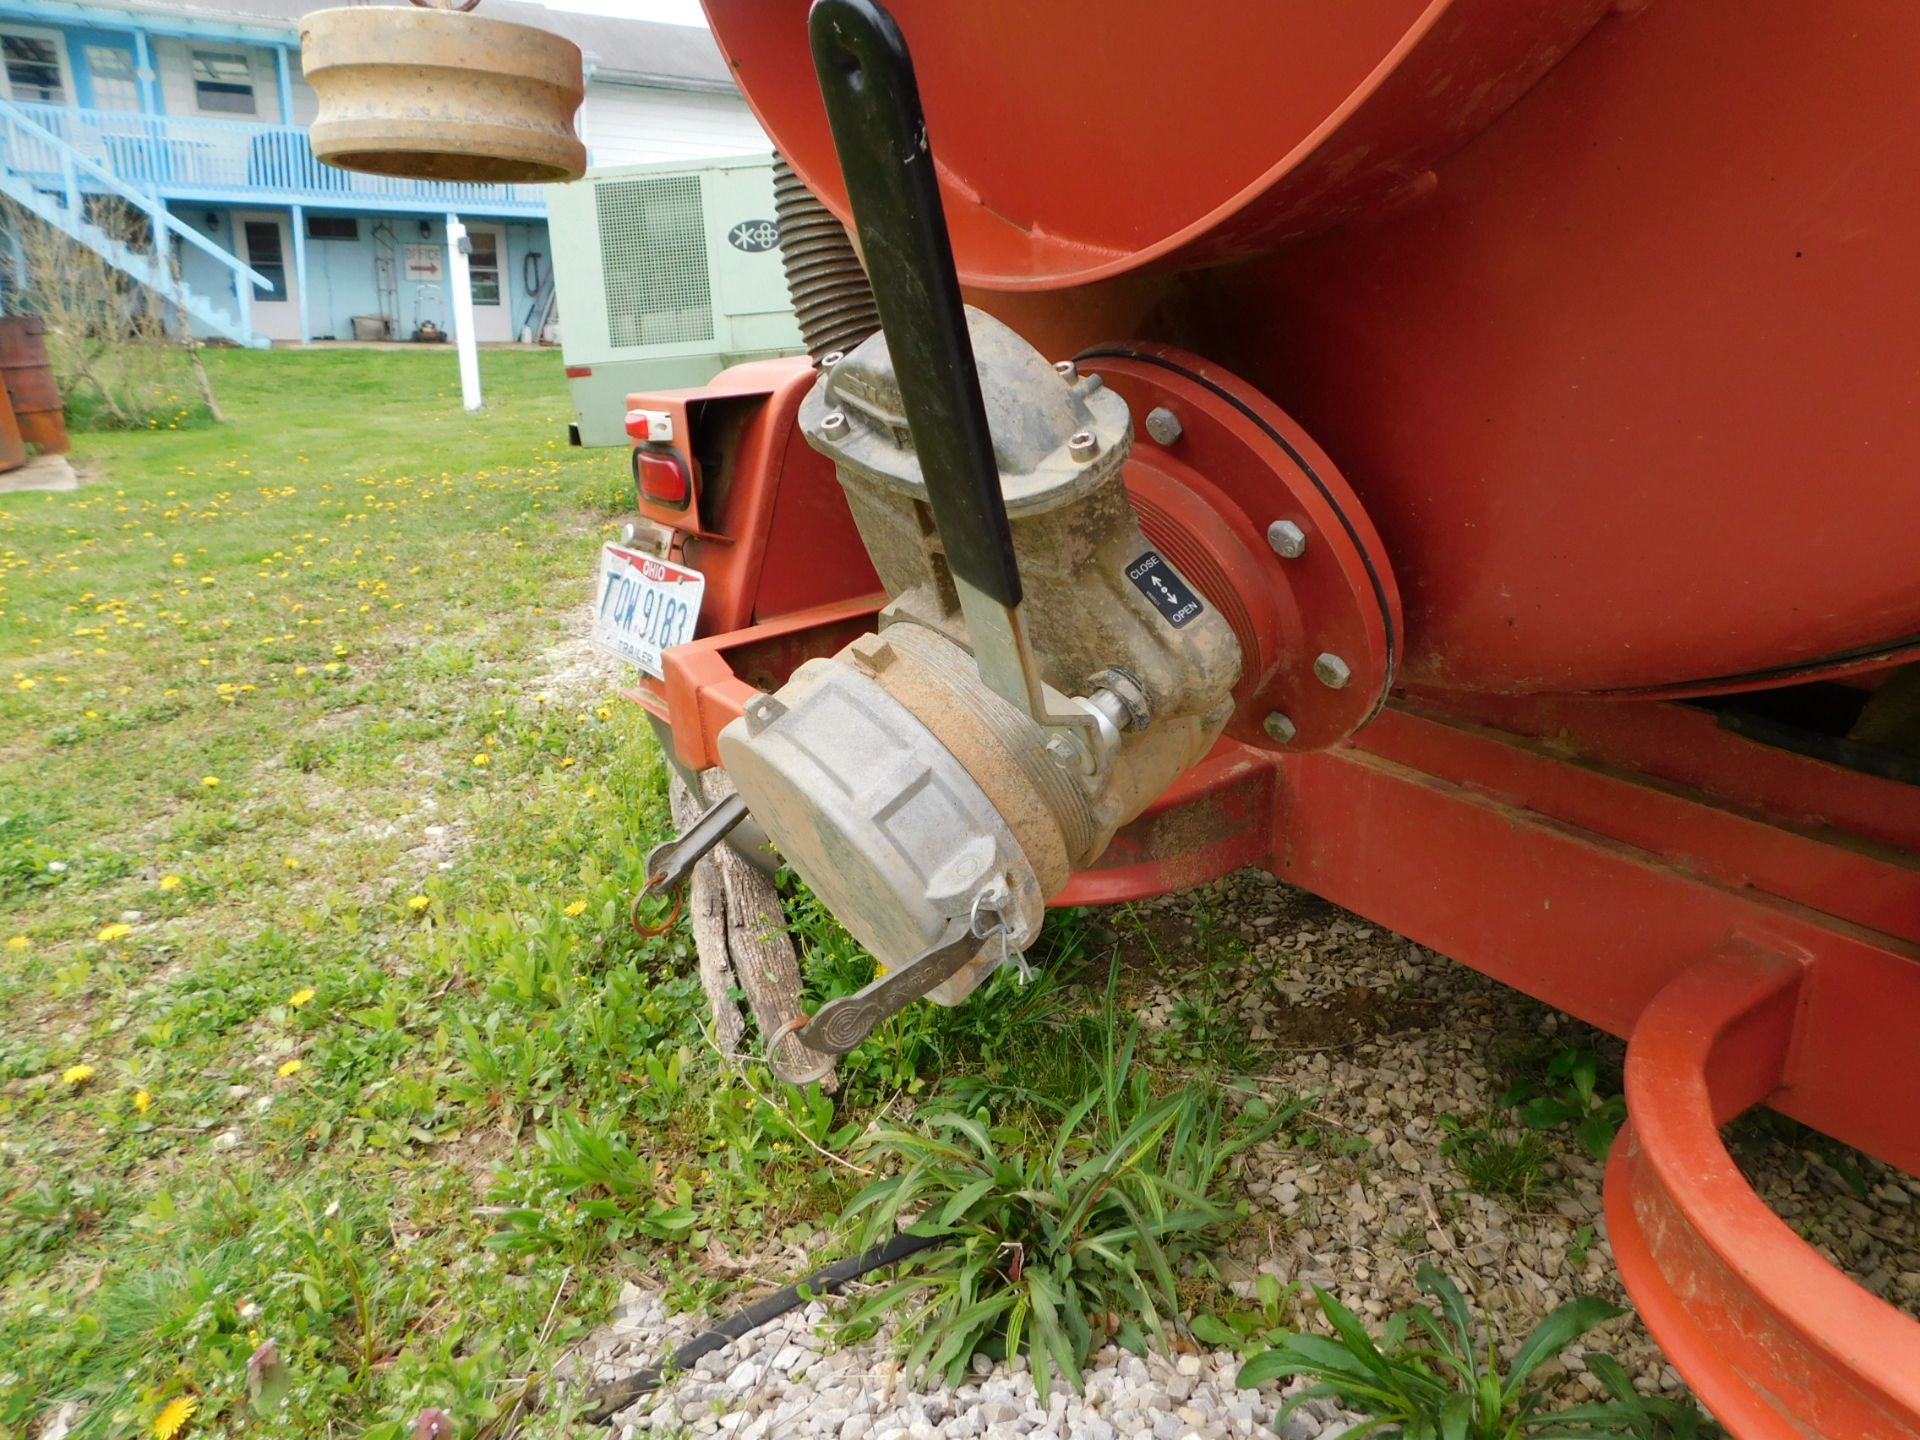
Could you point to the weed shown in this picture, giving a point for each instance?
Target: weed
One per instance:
(1578, 1244)
(1250, 1330)
(1514, 1167)
(1568, 1094)
(1438, 1377)
(1053, 1237)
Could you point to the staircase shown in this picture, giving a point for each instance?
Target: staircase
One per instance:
(42, 173)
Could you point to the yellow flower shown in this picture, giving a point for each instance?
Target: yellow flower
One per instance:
(577, 907)
(173, 1417)
(300, 996)
(291, 863)
(142, 1101)
(566, 762)
(480, 758)
(26, 684)
(113, 932)
(288, 1067)
(418, 903)
(604, 713)
(212, 782)
(18, 942)
(77, 1074)
(169, 882)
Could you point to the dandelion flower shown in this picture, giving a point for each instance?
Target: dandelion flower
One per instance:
(291, 863)
(169, 882)
(142, 1101)
(25, 684)
(604, 713)
(18, 942)
(212, 782)
(577, 907)
(300, 996)
(110, 933)
(481, 758)
(288, 1067)
(173, 1417)
(76, 1074)
(418, 903)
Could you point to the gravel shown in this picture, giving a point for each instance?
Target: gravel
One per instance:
(786, 1379)
(1388, 1038)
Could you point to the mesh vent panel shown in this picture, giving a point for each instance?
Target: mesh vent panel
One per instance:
(653, 258)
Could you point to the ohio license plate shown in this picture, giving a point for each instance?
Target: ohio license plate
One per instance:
(644, 605)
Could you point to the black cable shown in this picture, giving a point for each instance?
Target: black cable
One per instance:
(617, 1395)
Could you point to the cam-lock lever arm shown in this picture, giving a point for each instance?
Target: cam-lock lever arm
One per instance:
(671, 862)
(880, 134)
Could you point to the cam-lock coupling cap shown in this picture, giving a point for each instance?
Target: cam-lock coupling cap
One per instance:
(880, 818)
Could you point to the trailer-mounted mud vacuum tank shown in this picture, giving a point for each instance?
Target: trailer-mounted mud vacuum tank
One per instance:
(1459, 455)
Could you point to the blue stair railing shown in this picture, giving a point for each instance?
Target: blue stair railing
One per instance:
(48, 177)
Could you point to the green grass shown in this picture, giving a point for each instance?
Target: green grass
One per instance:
(306, 860)
(324, 1023)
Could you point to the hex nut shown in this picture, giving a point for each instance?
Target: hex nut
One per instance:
(1278, 727)
(1083, 445)
(1331, 671)
(1288, 540)
(1164, 426)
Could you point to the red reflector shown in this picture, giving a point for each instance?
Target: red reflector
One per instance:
(662, 477)
(579, 372)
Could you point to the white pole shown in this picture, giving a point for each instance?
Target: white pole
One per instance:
(462, 307)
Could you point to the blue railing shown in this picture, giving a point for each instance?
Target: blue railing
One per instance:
(47, 162)
(189, 158)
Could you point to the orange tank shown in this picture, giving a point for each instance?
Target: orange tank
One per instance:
(1571, 292)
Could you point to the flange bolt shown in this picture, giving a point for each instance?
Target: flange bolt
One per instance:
(1279, 727)
(1083, 445)
(1164, 426)
(1331, 671)
(1288, 540)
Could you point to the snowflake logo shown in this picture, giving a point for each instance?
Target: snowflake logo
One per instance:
(756, 237)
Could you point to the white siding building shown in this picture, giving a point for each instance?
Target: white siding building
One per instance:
(197, 114)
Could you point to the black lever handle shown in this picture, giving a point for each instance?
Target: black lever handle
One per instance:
(873, 108)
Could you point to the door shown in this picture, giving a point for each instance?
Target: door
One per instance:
(264, 244)
(487, 279)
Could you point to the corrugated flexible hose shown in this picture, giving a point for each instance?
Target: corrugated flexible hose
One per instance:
(831, 296)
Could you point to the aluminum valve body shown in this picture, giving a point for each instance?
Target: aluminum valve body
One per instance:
(914, 797)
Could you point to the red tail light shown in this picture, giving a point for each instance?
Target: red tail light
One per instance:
(662, 478)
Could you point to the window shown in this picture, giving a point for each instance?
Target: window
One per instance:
(115, 85)
(34, 72)
(332, 227)
(483, 266)
(223, 82)
(264, 253)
